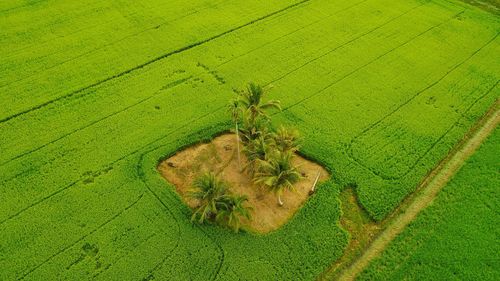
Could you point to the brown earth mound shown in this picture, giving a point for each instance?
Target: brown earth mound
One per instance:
(220, 156)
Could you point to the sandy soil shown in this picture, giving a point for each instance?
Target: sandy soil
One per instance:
(220, 156)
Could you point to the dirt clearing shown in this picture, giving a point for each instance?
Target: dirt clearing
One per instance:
(220, 156)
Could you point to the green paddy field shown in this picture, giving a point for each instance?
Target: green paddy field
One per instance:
(93, 94)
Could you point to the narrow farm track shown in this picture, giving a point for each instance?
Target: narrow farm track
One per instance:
(428, 191)
(105, 90)
(438, 140)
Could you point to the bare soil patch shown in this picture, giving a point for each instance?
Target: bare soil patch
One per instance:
(220, 156)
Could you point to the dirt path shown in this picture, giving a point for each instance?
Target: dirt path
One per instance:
(428, 190)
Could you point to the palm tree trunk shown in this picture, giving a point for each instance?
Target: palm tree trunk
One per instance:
(315, 182)
(280, 202)
(238, 146)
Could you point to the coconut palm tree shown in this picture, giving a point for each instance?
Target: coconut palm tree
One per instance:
(235, 111)
(252, 129)
(251, 100)
(257, 150)
(231, 209)
(286, 139)
(278, 173)
(207, 189)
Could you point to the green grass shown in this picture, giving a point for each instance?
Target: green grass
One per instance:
(93, 94)
(455, 238)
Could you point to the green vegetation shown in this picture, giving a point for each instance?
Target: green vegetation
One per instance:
(455, 237)
(94, 94)
(269, 152)
(278, 173)
(232, 209)
(208, 190)
(253, 105)
(216, 203)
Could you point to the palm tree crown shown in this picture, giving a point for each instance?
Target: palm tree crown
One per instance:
(231, 209)
(258, 150)
(252, 101)
(207, 190)
(278, 173)
(286, 139)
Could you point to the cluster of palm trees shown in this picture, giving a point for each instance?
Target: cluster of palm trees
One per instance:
(269, 153)
(216, 203)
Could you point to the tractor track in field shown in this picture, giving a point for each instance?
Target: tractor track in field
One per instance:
(100, 47)
(455, 67)
(67, 186)
(330, 51)
(92, 26)
(370, 62)
(175, 83)
(21, 6)
(290, 33)
(140, 66)
(64, 249)
(120, 257)
(171, 85)
(142, 176)
(349, 41)
(428, 190)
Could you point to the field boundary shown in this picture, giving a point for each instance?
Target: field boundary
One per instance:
(428, 190)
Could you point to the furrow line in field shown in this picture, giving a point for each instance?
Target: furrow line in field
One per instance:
(169, 86)
(114, 162)
(149, 237)
(40, 43)
(82, 238)
(456, 123)
(100, 48)
(427, 87)
(348, 42)
(110, 115)
(429, 190)
(142, 177)
(222, 254)
(75, 57)
(22, 6)
(38, 202)
(330, 51)
(178, 51)
(290, 33)
(66, 187)
(163, 260)
(455, 67)
(368, 63)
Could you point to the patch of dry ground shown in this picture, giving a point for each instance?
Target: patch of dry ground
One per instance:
(220, 156)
